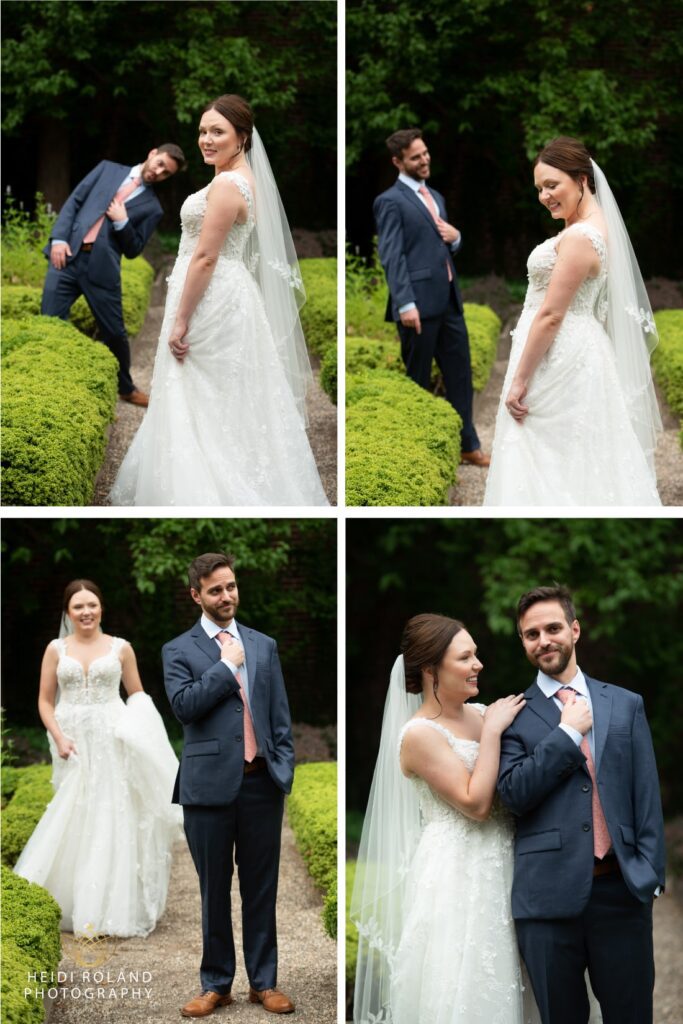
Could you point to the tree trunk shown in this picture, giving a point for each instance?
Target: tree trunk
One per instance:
(52, 178)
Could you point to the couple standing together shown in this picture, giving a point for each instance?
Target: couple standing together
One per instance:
(103, 847)
(578, 418)
(569, 855)
(226, 423)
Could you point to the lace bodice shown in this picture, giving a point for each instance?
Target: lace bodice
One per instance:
(99, 685)
(434, 808)
(590, 298)
(192, 215)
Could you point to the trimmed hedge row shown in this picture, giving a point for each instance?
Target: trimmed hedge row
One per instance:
(312, 812)
(319, 318)
(351, 930)
(30, 943)
(58, 395)
(402, 443)
(31, 917)
(667, 358)
(137, 276)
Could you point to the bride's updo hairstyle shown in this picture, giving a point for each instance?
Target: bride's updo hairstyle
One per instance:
(74, 587)
(425, 640)
(572, 157)
(238, 113)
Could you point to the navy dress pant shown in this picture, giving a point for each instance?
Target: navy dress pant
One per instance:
(63, 287)
(444, 339)
(612, 939)
(249, 829)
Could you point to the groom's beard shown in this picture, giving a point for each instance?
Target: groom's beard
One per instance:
(555, 665)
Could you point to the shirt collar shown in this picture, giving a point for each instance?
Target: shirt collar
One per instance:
(212, 630)
(549, 686)
(136, 172)
(411, 182)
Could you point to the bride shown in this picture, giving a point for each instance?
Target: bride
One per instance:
(103, 845)
(226, 424)
(431, 898)
(578, 416)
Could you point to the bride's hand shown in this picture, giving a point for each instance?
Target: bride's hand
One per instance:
(502, 713)
(514, 402)
(178, 347)
(65, 747)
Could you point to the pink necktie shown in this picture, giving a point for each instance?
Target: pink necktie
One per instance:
(601, 837)
(431, 206)
(249, 734)
(120, 197)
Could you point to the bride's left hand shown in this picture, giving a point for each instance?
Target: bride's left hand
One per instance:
(178, 347)
(514, 402)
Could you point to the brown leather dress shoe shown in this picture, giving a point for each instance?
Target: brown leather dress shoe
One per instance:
(205, 1004)
(476, 458)
(272, 1000)
(136, 398)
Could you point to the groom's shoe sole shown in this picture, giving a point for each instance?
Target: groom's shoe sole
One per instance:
(205, 1004)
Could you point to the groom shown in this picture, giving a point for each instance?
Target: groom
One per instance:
(416, 247)
(588, 859)
(113, 210)
(225, 685)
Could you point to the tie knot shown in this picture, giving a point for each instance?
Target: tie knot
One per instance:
(222, 636)
(565, 693)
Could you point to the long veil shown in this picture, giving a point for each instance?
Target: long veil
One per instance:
(272, 258)
(391, 831)
(630, 323)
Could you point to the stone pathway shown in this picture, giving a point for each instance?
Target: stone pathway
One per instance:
(171, 956)
(472, 481)
(322, 431)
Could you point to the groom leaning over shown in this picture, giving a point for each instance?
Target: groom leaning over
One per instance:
(416, 247)
(225, 686)
(589, 858)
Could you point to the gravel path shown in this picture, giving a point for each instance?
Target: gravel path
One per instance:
(472, 481)
(171, 954)
(322, 431)
(668, 930)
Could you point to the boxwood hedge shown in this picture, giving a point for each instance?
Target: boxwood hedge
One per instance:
(667, 358)
(312, 813)
(402, 443)
(32, 793)
(319, 318)
(58, 394)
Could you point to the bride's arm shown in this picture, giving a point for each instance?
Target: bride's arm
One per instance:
(46, 702)
(428, 754)
(576, 260)
(224, 203)
(130, 676)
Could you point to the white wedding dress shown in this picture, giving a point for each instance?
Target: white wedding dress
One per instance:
(103, 845)
(222, 428)
(577, 445)
(457, 960)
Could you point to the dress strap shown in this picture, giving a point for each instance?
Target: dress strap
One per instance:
(595, 237)
(240, 183)
(432, 725)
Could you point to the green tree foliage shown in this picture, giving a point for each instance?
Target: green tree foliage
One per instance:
(625, 575)
(494, 80)
(104, 74)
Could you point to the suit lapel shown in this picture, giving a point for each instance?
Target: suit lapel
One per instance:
(546, 709)
(601, 699)
(205, 643)
(413, 197)
(250, 656)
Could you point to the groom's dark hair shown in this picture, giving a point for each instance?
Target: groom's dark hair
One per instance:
(402, 139)
(204, 565)
(555, 593)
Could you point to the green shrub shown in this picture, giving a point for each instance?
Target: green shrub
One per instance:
(351, 930)
(20, 300)
(312, 812)
(33, 792)
(328, 372)
(30, 943)
(365, 311)
(373, 354)
(23, 266)
(402, 443)
(58, 394)
(667, 358)
(319, 312)
(483, 327)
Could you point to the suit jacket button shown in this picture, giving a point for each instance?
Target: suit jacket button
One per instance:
(238, 736)
(586, 827)
(238, 709)
(585, 789)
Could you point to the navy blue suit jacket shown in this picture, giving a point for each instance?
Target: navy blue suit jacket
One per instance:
(87, 203)
(545, 782)
(205, 698)
(413, 253)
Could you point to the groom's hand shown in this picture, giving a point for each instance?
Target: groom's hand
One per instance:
(411, 318)
(447, 232)
(576, 714)
(233, 651)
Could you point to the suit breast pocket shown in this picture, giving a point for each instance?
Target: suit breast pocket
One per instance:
(420, 275)
(539, 842)
(201, 748)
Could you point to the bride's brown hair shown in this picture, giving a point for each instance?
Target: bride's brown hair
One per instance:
(238, 112)
(568, 155)
(425, 640)
(74, 587)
